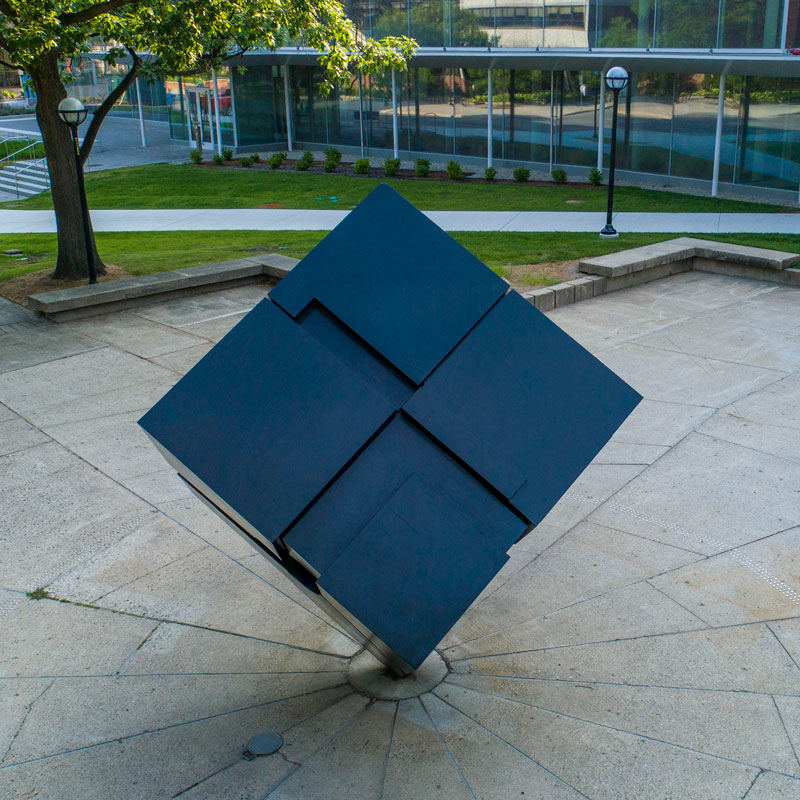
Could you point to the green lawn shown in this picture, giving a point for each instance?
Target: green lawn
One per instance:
(190, 186)
(144, 253)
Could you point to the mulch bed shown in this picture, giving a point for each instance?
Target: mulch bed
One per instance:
(346, 169)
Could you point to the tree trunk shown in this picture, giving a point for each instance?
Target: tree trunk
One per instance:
(72, 261)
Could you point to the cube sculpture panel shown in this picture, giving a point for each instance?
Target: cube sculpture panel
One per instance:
(387, 424)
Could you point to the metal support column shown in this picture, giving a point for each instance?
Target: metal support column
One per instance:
(287, 99)
(601, 122)
(216, 110)
(718, 136)
(552, 100)
(396, 152)
(141, 115)
(489, 118)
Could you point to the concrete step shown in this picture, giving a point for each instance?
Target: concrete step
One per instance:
(25, 178)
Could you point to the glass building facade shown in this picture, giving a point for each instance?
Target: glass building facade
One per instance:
(557, 113)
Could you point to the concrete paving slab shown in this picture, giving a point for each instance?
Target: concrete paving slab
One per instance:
(74, 378)
(355, 758)
(661, 423)
(473, 746)
(44, 492)
(160, 487)
(738, 726)
(188, 310)
(718, 336)
(39, 640)
(17, 434)
(769, 786)
(117, 707)
(176, 649)
(136, 767)
(740, 659)
(614, 765)
(767, 420)
(27, 348)
(726, 589)
(638, 610)
(419, 765)
(133, 334)
(591, 559)
(157, 542)
(181, 361)
(214, 329)
(210, 590)
(787, 632)
(673, 376)
(716, 511)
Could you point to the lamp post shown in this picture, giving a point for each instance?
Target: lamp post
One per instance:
(72, 112)
(616, 79)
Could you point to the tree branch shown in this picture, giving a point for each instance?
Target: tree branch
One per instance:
(8, 65)
(91, 12)
(102, 111)
(7, 9)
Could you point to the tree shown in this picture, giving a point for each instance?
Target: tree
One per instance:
(431, 27)
(161, 37)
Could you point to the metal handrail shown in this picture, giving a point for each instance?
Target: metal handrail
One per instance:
(22, 150)
(32, 165)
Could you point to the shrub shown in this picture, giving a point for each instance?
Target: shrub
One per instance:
(246, 161)
(333, 155)
(361, 166)
(218, 160)
(305, 161)
(559, 175)
(522, 174)
(276, 159)
(454, 171)
(489, 174)
(196, 156)
(391, 167)
(422, 167)
(255, 158)
(227, 153)
(330, 165)
(595, 176)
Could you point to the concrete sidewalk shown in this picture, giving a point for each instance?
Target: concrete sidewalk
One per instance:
(259, 219)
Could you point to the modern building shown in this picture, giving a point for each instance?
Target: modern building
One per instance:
(520, 81)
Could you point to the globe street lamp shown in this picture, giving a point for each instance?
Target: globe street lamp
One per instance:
(72, 112)
(616, 80)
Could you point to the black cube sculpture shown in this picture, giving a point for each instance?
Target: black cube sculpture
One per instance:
(387, 423)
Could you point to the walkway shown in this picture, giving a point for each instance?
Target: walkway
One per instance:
(642, 642)
(287, 219)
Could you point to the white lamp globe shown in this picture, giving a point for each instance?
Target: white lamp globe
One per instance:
(72, 111)
(617, 79)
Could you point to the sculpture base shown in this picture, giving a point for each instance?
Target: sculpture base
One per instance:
(370, 677)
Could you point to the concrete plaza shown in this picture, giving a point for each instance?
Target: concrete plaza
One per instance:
(643, 642)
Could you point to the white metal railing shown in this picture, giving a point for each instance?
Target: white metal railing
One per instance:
(33, 165)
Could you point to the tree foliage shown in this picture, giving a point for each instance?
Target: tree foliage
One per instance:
(189, 35)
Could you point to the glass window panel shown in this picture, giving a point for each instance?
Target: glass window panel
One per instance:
(566, 23)
(309, 107)
(769, 128)
(427, 118)
(575, 118)
(624, 23)
(793, 24)
(517, 23)
(524, 133)
(694, 129)
(344, 113)
(686, 23)
(471, 107)
(644, 126)
(260, 106)
(378, 111)
(389, 18)
(750, 23)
